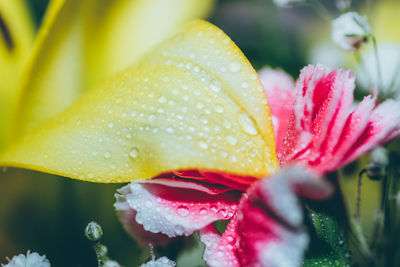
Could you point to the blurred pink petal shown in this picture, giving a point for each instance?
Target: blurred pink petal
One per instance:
(267, 229)
(279, 88)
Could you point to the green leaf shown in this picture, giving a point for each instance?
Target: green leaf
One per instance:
(326, 222)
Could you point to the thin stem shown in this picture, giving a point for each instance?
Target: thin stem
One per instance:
(357, 216)
(362, 241)
(100, 260)
(356, 221)
(378, 64)
(321, 9)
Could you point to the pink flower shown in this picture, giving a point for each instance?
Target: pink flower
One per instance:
(315, 126)
(320, 126)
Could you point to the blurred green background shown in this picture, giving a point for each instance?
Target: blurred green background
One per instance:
(47, 214)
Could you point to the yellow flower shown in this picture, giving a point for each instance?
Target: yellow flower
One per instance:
(79, 44)
(194, 102)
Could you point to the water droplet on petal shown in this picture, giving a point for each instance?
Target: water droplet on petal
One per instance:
(134, 153)
(247, 124)
(219, 109)
(162, 99)
(234, 66)
(215, 85)
(183, 211)
(222, 212)
(203, 211)
(202, 144)
(231, 139)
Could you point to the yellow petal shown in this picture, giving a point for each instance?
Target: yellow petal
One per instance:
(16, 38)
(129, 29)
(83, 42)
(194, 103)
(54, 73)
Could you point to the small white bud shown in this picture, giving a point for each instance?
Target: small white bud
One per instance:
(350, 30)
(285, 3)
(28, 260)
(93, 231)
(160, 262)
(111, 263)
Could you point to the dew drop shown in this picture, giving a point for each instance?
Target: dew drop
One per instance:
(202, 144)
(107, 155)
(203, 211)
(183, 211)
(215, 86)
(222, 212)
(219, 109)
(162, 99)
(134, 153)
(152, 117)
(231, 139)
(247, 124)
(234, 66)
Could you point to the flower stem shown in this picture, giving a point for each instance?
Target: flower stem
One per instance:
(378, 64)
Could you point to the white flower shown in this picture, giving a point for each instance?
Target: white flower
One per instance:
(160, 262)
(30, 260)
(284, 3)
(389, 59)
(350, 30)
(111, 263)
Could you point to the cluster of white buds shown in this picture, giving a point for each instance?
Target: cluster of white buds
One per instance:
(28, 260)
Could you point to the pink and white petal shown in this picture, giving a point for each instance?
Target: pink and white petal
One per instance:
(279, 89)
(383, 126)
(127, 217)
(264, 232)
(323, 102)
(218, 178)
(220, 249)
(353, 129)
(173, 209)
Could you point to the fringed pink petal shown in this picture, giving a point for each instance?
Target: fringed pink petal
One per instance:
(323, 101)
(279, 89)
(323, 131)
(217, 178)
(353, 128)
(174, 207)
(383, 126)
(268, 227)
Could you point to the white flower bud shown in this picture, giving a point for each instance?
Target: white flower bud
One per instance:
(111, 263)
(93, 231)
(389, 59)
(350, 30)
(160, 262)
(30, 260)
(284, 3)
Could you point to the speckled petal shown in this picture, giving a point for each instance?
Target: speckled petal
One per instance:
(183, 107)
(267, 229)
(174, 207)
(324, 131)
